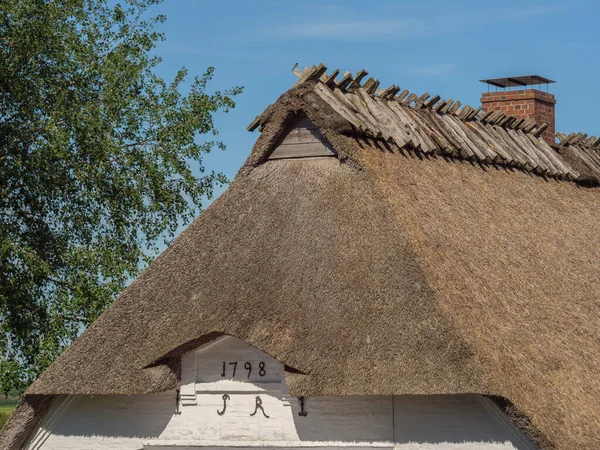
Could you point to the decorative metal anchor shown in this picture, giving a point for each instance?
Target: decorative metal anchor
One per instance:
(302, 412)
(177, 398)
(259, 405)
(225, 398)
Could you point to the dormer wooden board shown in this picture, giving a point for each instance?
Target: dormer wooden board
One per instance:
(303, 139)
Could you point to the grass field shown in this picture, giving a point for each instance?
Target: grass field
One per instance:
(5, 411)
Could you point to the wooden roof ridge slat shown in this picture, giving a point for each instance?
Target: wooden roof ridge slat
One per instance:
(506, 121)
(456, 144)
(472, 114)
(353, 103)
(330, 81)
(490, 154)
(563, 169)
(447, 107)
(539, 130)
(464, 112)
(516, 124)
(425, 128)
(255, 123)
(522, 159)
(455, 107)
(585, 159)
(330, 98)
(545, 163)
(390, 92)
(486, 116)
(376, 126)
(438, 133)
(538, 165)
(421, 100)
(560, 136)
(580, 139)
(420, 130)
(411, 98)
(399, 136)
(350, 83)
(483, 154)
(504, 156)
(498, 118)
(528, 125)
(400, 97)
(511, 140)
(441, 105)
(464, 148)
(406, 123)
(409, 124)
(568, 138)
(345, 81)
(592, 157)
(371, 85)
(357, 79)
(589, 141)
(432, 101)
(314, 73)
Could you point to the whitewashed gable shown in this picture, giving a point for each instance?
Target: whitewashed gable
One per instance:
(220, 410)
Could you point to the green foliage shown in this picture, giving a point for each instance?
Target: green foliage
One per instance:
(98, 157)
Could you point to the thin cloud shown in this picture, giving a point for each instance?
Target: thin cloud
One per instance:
(352, 30)
(431, 70)
(402, 28)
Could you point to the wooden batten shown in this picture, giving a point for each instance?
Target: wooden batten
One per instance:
(474, 113)
(330, 80)
(371, 85)
(389, 93)
(421, 100)
(432, 101)
(357, 79)
(401, 96)
(303, 139)
(538, 132)
(254, 124)
(447, 107)
(454, 108)
(486, 116)
(463, 113)
(440, 106)
(589, 141)
(345, 81)
(517, 124)
(412, 97)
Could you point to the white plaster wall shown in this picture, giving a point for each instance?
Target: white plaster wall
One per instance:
(464, 422)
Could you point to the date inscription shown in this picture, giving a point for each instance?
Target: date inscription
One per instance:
(230, 369)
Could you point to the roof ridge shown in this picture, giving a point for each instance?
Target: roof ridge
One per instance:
(580, 139)
(349, 83)
(446, 127)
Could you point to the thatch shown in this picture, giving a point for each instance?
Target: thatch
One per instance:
(386, 270)
(26, 416)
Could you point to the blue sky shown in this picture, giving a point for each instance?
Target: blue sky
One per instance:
(438, 47)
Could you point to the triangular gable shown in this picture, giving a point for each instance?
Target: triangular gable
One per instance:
(302, 139)
(228, 364)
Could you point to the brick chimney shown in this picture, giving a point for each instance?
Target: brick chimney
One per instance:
(523, 103)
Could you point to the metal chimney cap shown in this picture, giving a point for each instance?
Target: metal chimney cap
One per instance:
(526, 80)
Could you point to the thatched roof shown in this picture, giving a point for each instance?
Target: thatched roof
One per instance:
(409, 264)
